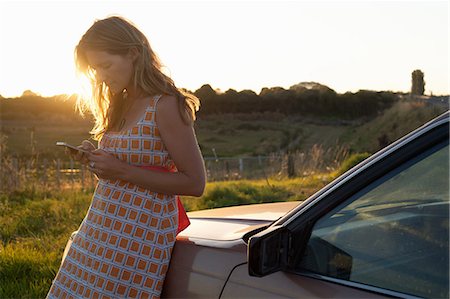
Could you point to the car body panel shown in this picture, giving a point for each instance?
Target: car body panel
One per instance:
(287, 285)
(266, 212)
(232, 223)
(200, 270)
(212, 246)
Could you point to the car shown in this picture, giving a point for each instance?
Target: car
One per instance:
(379, 230)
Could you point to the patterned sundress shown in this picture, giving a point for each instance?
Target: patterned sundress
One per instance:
(124, 244)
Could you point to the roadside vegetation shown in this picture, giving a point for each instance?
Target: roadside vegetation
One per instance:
(36, 224)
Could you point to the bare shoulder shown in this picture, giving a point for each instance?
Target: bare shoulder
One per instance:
(166, 104)
(167, 111)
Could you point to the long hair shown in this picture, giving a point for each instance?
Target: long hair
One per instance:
(117, 36)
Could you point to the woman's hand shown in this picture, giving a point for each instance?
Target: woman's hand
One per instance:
(106, 166)
(81, 156)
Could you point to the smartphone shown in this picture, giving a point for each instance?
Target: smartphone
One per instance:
(72, 147)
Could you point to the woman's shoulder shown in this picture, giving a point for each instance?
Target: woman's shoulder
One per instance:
(166, 99)
(166, 104)
(168, 110)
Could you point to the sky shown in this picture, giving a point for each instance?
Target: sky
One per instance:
(346, 45)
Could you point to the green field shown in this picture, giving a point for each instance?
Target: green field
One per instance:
(228, 135)
(35, 225)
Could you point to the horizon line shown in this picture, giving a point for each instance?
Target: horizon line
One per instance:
(220, 91)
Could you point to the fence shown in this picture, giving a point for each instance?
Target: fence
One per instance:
(17, 174)
(317, 159)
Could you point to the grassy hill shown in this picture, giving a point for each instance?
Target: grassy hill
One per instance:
(29, 127)
(395, 122)
(259, 134)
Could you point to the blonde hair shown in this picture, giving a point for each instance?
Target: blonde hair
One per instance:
(117, 36)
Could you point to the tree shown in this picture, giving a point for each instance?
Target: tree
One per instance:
(418, 84)
(29, 93)
(208, 100)
(205, 93)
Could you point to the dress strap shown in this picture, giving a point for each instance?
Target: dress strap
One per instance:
(156, 98)
(151, 107)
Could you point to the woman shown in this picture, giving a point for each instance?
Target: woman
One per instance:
(147, 153)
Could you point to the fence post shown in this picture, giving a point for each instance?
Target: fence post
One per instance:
(241, 167)
(71, 172)
(58, 173)
(15, 174)
(28, 171)
(227, 169)
(290, 166)
(44, 172)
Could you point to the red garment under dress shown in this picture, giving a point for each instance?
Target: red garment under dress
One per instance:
(183, 219)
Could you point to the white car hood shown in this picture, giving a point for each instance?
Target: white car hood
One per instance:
(233, 223)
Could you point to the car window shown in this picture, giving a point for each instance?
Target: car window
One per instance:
(393, 234)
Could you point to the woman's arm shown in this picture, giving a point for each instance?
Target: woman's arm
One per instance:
(182, 146)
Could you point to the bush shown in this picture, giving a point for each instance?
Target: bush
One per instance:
(239, 193)
(351, 161)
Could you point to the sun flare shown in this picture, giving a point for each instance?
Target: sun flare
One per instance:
(241, 45)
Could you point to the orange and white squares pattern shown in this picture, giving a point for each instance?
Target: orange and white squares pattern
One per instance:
(123, 245)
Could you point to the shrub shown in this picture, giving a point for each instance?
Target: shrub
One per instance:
(242, 193)
(225, 194)
(351, 161)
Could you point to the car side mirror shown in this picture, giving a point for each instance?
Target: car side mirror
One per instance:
(267, 251)
(324, 258)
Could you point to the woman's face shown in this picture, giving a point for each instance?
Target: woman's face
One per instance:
(116, 71)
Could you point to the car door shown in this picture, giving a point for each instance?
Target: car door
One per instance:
(382, 230)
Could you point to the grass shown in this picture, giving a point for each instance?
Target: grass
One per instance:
(43, 135)
(231, 193)
(36, 224)
(26, 272)
(395, 122)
